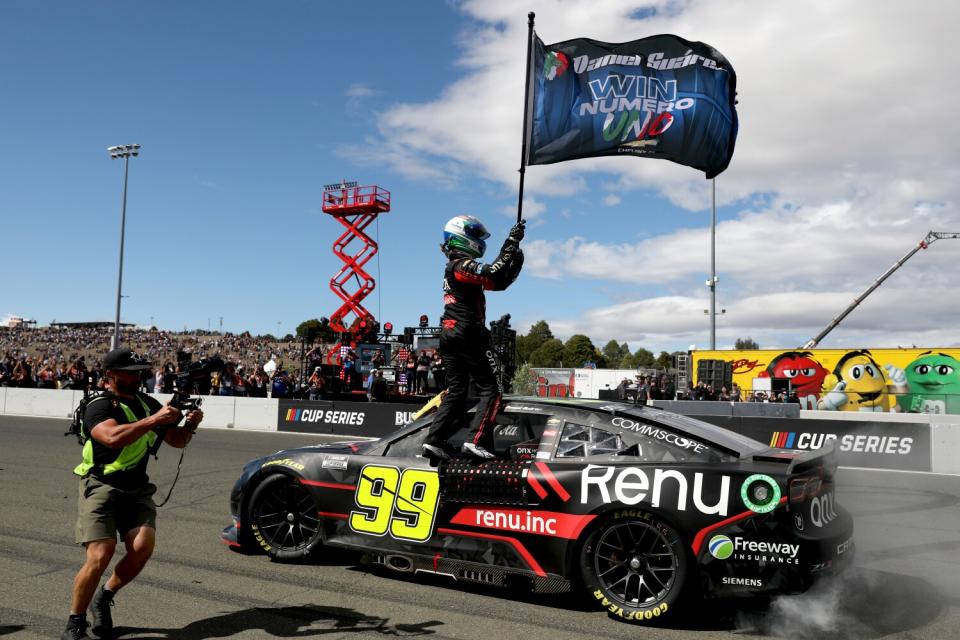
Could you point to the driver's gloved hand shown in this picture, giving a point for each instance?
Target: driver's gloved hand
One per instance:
(517, 232)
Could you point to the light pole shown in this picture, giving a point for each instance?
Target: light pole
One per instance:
(122, 151)
(712, 282)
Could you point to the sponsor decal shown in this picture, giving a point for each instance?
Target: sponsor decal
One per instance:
(822, 510)
(334, 462)
(632, 485)
(798, 521)
(329, 416)
(636, 616)
(401, 504)
(844, 546)
(760, 493)
(259, 538)
(721, 547)
(737, 548)
(510, 430)
(286, 462)
(862, 443)
(540, 471)
(543, 455)
(403, 417)
(743, 365)
(659, 434)
(544, 523)
(742, 582)
(523, 407)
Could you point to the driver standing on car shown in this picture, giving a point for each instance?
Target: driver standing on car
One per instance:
(115, 494)
(464, 337)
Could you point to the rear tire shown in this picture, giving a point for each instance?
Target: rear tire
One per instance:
(284, 518)
(635, 566)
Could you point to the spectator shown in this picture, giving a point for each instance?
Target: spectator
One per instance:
(257, 383)
(378, 360)
(228, 379)
(378, 388)
(643, 391)
(281, 385)
(735, 393)
(316, 384)
(410, 371)
(47, 377)
(439, 374)
(240, 383)
(622, 390)
(423, 370)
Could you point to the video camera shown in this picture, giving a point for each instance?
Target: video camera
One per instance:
(188, 380)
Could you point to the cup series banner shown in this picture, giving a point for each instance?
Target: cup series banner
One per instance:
(903, 446)
(363, 419)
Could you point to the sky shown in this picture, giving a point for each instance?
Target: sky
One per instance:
(847, 156)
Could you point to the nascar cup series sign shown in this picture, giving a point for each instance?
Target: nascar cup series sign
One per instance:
(367, 419)
(659, 97)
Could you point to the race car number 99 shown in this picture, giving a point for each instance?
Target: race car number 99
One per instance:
(403, 503)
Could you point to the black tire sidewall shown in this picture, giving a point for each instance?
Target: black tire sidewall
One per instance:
(597, 594)
(266, 485)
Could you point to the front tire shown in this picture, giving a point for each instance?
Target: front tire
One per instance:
(635, 566)
(284, 518)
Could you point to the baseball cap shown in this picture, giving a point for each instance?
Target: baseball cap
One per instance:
(123, 359)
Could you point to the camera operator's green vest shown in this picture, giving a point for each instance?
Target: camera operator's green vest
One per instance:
(129, 456)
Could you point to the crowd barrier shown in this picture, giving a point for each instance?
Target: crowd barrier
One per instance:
(896, 441)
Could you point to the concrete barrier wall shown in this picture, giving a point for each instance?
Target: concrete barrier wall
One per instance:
(254, 414)
(260, 414)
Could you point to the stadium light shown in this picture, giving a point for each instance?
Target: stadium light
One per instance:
(122, 151)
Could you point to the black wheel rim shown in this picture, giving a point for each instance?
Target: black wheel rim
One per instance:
(287, 516)
(634, 564)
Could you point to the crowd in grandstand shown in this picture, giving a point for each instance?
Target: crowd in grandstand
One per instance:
(69, 357)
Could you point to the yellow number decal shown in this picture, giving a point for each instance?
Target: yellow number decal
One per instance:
(413, 495)
(416, 505)
(375, 493)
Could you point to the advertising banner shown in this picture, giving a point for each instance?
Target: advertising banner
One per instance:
(658, 97)
(901, 446)
(554, 383)
(863, 380)
(363, 419)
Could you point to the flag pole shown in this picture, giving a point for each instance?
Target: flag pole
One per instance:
(526, 114)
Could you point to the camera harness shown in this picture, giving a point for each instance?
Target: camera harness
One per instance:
(76, 429)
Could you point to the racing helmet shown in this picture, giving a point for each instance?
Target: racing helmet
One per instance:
(465, 234)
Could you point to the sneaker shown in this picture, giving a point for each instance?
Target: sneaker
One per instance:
(477, 451)
(76, 629)
(434, 452)
(102, 626)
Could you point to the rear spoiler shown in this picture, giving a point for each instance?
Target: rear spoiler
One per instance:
(800, 461)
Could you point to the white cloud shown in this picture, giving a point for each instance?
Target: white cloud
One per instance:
(359, 90)
(612, 200)
(846, 128)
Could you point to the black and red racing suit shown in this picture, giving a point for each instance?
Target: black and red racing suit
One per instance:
(465, 342)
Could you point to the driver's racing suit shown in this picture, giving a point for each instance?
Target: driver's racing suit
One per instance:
(465, 341)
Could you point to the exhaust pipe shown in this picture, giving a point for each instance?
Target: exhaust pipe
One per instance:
(399, 563)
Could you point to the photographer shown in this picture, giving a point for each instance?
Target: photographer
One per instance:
(116, 496)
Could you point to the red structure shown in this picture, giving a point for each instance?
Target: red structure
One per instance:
(355, 208)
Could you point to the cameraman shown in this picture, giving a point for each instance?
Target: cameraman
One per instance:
(115, 494)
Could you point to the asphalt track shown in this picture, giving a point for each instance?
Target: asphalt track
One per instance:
(906, 583)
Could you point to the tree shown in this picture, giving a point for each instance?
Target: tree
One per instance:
(614, 353)
(664, 360)
(523, 381)
(548, 354)
(538, 334)
(745, 344)
(314, 330)
(640, 358)
(578, 350)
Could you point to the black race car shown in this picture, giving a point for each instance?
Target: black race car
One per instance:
(636, 505)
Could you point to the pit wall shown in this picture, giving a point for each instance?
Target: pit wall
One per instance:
(871, 440)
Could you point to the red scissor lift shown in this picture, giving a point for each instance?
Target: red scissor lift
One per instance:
(355, 208)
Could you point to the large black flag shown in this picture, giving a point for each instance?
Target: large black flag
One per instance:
(658, 97)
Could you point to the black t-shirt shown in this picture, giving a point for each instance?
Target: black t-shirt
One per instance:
(104, 409)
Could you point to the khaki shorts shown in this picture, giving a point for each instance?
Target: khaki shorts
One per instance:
(103, 511)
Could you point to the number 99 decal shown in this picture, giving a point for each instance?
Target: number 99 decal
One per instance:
(401, 503)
